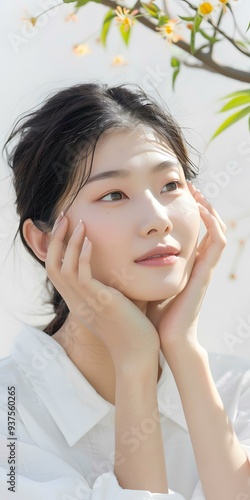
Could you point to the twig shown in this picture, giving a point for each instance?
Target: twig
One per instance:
(205, 58)
(235, 74)
(215, 31)
(228, 38)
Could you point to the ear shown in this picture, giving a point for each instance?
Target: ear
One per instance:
(36, 239)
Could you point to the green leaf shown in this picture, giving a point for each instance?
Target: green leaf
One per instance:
(175, 74)
(187, 18)
(231, 120)
(236, 101)
(125, 34)
(106, 25)
(151, 8)
(175, 63)
(211, 39)
(196, 25)
(242, 44)
(234, 94)
(197, 21)
(248, 27)
(69, 1)
(81, 3)
(162, 20)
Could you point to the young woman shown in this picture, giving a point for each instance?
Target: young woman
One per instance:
(115, 398)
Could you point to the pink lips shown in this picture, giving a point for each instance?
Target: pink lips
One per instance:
(158, 256)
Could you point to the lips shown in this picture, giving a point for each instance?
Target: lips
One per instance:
(159, 251)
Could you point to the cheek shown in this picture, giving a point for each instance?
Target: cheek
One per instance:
(187, 206)
(104, 233)
(192, 216)
(187, 216)
(109, 243)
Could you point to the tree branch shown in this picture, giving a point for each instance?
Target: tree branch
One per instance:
(208, 62)
(217, 28)
(235, 74)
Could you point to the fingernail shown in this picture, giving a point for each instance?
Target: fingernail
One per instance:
(79, 225)
(86, 240)
(60, 216)
(85, 243)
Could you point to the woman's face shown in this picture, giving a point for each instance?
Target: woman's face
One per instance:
(137, 199)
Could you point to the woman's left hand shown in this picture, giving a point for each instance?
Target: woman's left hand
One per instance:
(177, 320)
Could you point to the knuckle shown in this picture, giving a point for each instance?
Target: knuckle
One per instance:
(67, 273)
(223, 241)
(84, 281)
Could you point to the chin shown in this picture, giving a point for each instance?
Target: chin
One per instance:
(167, 291)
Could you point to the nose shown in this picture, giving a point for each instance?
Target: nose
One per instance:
(155, 217)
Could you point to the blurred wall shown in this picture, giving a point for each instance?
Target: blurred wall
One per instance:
(40, 60)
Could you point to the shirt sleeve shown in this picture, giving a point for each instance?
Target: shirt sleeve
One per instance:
(38, 474)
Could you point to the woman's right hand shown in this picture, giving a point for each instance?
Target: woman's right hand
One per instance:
(127, 333)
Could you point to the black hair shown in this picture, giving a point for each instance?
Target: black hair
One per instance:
(55, 141)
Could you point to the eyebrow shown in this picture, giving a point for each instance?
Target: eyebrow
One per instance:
(126, 173)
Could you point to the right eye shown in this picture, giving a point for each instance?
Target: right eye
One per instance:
(114, 196)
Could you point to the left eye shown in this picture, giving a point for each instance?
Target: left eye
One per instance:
(114, 196)
(117, 195)
(172, 186)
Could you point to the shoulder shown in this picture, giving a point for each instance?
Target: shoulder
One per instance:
(9, 372)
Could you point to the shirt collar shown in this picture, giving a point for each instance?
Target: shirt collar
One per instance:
(72, 402)
(66, 393)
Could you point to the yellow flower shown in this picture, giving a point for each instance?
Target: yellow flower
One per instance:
(125, 17)
(222, 4)
(205, 8)
(71, 17)
(81, 49)
(31, 20)
(119, 61)
(169, 32)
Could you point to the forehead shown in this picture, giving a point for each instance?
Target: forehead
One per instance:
(132, 148)
(128, 147)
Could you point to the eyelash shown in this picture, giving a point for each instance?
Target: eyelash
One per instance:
(180, 184)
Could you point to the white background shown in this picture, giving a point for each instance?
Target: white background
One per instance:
(38, 61)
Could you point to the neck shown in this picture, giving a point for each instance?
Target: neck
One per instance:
(89, 355)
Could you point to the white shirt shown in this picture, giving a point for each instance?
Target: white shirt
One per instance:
(65, 433)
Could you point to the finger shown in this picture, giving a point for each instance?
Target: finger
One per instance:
(84, 273)
(203, 243)
(201, 198)
(216, 235)
(192, 188)
(76, 266)
(71, 256)
(55, 246)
